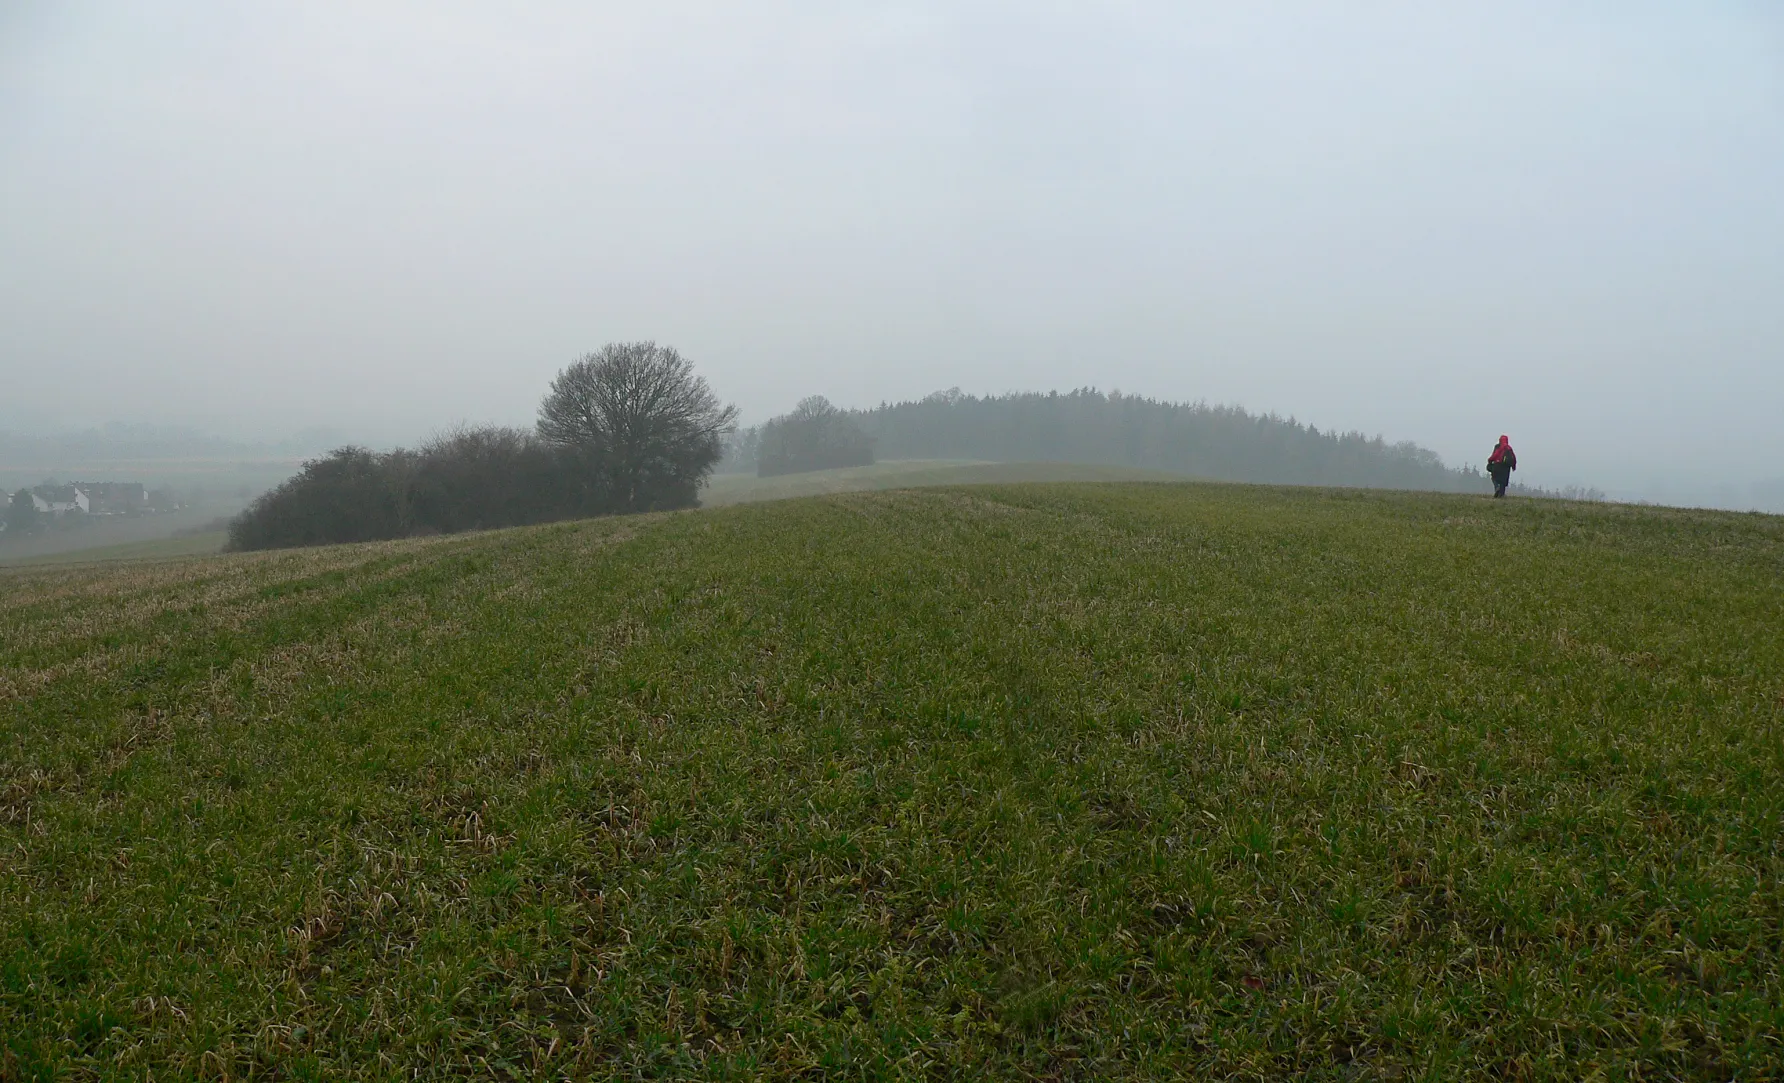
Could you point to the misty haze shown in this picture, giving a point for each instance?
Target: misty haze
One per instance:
(901, 540)
(1430, 225)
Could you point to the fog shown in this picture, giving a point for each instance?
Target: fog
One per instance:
(1434, 222)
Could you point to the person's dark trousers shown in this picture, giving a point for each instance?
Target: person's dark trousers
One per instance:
(1501, 478)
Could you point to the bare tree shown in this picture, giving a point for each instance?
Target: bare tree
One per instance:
(646, 429)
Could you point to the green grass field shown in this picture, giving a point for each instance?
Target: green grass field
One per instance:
(1121, 781)
(728, 489)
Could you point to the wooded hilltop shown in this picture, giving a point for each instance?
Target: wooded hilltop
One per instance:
(1221, 443)
(631, 428)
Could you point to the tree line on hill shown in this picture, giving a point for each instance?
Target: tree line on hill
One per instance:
(632, 428)
(628, 428)
(1223, 443)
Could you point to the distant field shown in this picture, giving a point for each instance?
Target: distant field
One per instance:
(106, 532)
(157, 549)
(1122, 781)
(726, 489)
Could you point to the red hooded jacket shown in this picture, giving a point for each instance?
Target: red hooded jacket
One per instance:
(1503, 454)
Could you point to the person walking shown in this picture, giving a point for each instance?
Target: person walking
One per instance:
(1500, 464)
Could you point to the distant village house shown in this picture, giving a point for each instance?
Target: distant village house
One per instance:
(58, 499)
(91, 498)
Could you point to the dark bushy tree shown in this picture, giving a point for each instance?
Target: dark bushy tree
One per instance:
(467, 479)
(644, 429)
(472, 479)
(22, 516)
(352, 494)
(628, 429)
(815, 436)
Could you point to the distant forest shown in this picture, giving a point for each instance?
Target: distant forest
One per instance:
(1224, 443)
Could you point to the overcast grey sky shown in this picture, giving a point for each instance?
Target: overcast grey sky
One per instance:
(1439, 222)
